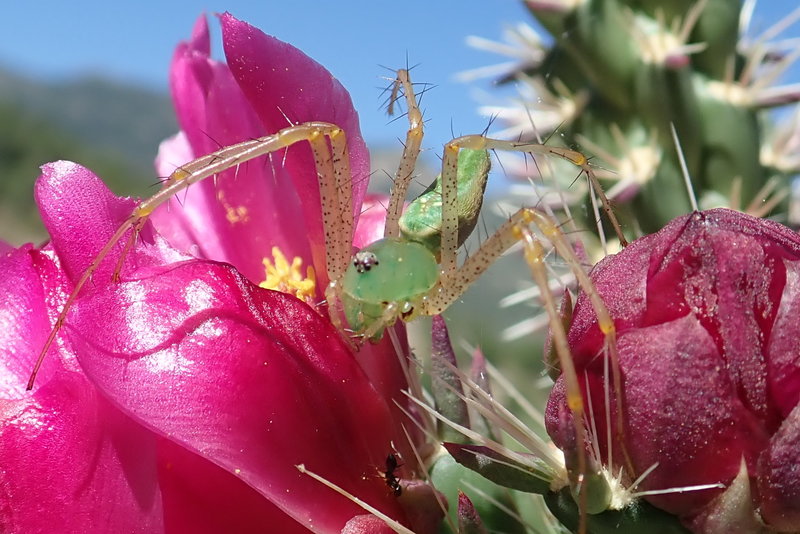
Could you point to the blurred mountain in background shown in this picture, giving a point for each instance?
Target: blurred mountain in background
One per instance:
(112, 128)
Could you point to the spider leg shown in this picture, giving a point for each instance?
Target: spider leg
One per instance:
(387, 318)
(330, 153)
(333, 171)
(455, 280)
(478, 142)
(411, 150)
(518, 228)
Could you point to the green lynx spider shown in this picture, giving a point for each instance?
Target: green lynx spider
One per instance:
(420, 245)
(413, 270)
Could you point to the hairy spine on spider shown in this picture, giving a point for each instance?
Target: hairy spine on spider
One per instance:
(391, 270)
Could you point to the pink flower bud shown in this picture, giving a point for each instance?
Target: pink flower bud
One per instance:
(707, 332)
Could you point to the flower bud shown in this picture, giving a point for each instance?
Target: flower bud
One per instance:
(707, 330)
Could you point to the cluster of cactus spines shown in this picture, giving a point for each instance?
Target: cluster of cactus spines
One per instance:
(514, 491)
(619, 75)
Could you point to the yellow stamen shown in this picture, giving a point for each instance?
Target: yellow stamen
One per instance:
(282, 276)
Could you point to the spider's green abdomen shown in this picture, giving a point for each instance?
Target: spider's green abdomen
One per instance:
(388, 271)
(422, 219)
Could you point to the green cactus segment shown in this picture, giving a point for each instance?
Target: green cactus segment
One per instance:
(718, 28)
(593, 29)
(422, 220)
(732, 139)
(645, 66)
(446, 387)
(449, 477)
(596, 490)
(662, 198)
(502, 470)
(388, 271)
(636, 518)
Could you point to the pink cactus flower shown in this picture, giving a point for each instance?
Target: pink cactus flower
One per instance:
(182, 398)
(706, 316)
(265, 86)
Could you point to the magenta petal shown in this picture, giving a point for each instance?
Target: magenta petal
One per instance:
(190, 78)
(625, 302)
(241, 214)
(285, 87)
(183, 224)
(80, 214)
(372, 220)
(689, 393)
(783, 356)
(778, 476)
(202, 498)
(30, 288)
(707, 330)
(253, 380)
(68, 455)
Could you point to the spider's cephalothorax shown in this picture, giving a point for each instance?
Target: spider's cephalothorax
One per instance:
(399, 276)
(387, 278)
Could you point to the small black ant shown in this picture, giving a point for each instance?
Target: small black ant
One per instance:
(391, 479)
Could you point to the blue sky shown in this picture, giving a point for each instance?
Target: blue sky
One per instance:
(133, 42)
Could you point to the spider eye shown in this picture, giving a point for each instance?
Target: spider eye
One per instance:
(364, 261)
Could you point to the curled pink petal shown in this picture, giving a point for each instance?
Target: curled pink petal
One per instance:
(80, 214)
(250, 379)
(286, 87)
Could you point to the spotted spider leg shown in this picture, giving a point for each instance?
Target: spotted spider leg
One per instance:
(402, 180)
(328, 144)
(456, 279)
(411, 150)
